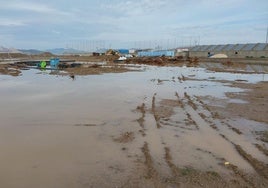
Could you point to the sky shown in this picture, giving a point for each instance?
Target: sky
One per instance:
(85, 24)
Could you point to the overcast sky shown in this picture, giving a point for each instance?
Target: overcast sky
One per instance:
(43, 24)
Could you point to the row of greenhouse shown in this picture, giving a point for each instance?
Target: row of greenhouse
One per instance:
(256, 50)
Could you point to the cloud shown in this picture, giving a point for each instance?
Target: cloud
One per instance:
(34, 7)
(50, 22)
(136, 8)
(11, 22)
(55, 32)
(29, 6)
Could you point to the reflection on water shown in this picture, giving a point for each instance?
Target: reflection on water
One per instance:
(35, 98)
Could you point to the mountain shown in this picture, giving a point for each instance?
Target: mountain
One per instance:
(60, 51)
(8, 50)
(56, 51)
(31, 51)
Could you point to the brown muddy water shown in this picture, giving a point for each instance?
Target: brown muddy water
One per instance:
(151, 128)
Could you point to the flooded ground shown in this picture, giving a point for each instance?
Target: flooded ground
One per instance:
(153, 126)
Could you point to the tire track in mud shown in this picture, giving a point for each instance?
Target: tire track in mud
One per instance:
(262, 149)
(141, 120)
(190, 101)
(179, 100)
(156, 116)
(238, 173)
(190, 177)
(190, 107)
(260, 167)
(151, 137)
(176, 172)
(214, 115)
(152, 173)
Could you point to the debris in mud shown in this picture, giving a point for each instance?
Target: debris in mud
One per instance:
(125, 137)
(72, 76)
(161, 81)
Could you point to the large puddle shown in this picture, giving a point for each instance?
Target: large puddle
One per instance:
(60, 132)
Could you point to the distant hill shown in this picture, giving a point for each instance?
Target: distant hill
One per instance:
(60, 51)
(31, 51)
(56, 51)
(8, 50)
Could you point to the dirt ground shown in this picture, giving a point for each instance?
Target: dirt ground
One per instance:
(187, 140)
(256, 97)
(188, 176)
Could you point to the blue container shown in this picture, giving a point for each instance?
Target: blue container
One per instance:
(123, 51)
(169, 53)
(54, 62)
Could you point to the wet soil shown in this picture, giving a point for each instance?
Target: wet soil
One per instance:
(95, 69)
(161, 126)
(12, 69)
(256, 106)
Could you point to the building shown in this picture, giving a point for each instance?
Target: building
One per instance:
(250, 50)
(182, 52)
(170, 53)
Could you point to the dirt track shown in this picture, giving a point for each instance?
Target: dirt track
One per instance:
(196, 122)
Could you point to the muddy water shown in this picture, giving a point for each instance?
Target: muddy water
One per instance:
(60, 132)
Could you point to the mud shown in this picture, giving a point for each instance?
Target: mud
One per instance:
(178, 124)
(255, 108)
(262, 149)
(11, 69)
(125, 137)
(96, 69)
(259, 166)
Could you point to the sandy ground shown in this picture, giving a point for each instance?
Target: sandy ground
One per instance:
(180, 141)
